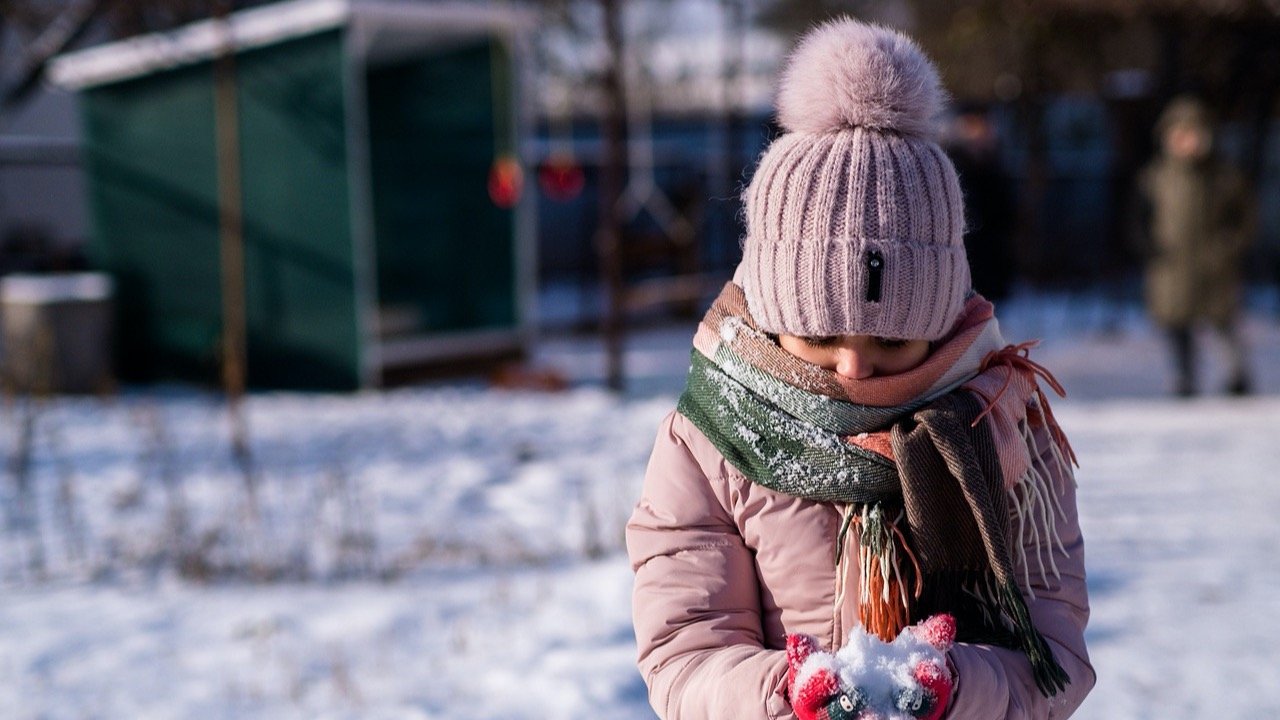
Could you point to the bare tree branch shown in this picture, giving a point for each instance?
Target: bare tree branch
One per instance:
(65, 28)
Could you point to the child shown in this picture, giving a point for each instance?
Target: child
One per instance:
(1199, 216)
(858, 450)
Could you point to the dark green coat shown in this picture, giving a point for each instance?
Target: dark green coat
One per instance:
(1199, 224)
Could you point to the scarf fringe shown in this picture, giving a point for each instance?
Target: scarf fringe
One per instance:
(1014, 362)
(983, 589)
(1036, 507)
(884, 602)
(1050, 677)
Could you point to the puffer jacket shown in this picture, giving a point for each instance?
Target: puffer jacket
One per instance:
(726, 568)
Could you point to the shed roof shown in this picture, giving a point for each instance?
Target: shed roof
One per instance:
(270, 24)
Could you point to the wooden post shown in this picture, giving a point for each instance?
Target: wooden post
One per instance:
(612, 172)
(231, 239)
(735, 100)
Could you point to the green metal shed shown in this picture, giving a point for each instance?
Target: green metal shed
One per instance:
(368, 132)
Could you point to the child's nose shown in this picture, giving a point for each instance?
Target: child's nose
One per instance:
(853, 364)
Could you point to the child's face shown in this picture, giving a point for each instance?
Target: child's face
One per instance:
(1187, 142)
(857, 357)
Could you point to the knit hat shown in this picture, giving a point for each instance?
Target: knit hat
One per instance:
(854, 215)
(1184, 110)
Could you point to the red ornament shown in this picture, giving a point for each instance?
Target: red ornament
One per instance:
(506, 182)
(561, 177)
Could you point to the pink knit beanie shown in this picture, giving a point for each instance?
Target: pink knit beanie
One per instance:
(854, 215)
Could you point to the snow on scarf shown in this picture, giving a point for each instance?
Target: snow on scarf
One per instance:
(912, 446)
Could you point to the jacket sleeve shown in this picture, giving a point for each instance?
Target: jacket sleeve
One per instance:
(994, 682)
(696, 603)
(1238, 217)
(1138, 216)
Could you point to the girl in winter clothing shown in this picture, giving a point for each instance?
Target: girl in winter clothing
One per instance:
(862, 506)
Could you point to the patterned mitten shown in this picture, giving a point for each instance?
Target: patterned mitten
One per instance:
(869, 679)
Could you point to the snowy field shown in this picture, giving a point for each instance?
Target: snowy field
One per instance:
(453, 551)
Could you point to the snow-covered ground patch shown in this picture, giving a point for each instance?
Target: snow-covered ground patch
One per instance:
(1178, 504)
(456, 551)
(374, 484)
(533, 642)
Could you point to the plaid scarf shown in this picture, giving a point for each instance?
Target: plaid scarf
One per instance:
(931, 465)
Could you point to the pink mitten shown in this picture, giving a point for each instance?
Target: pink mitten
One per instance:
(940, 632)
(869, 679)
(814, 688)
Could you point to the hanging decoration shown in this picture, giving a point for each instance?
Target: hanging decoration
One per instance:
(506, 177)
(506, 181)
(561, 177)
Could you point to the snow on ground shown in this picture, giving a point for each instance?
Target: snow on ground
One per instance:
(1179, 506)
(472, 596)
(429, 546)
(541, 642)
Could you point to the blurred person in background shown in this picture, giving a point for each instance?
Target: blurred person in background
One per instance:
(1195, 223)
(989, 208)
(862, 505)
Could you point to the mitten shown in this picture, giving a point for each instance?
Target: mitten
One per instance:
(869, 679)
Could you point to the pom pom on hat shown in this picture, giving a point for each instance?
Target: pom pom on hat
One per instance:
(847, 74)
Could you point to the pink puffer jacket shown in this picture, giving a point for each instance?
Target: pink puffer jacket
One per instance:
(725, 568)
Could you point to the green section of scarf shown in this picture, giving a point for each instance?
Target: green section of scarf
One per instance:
(946, 483)
(773, 446)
